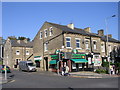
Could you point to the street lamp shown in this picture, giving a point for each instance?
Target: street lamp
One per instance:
(107, 39)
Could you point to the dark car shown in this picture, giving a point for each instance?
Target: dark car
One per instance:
(2, 69)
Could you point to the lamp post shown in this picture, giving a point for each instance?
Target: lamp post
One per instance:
(107, 40)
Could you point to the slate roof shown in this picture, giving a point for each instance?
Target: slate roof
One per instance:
(14, 43)
(69, 30)
(104, 38)
(82, 32)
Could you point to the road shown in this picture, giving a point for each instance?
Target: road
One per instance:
(51, 80)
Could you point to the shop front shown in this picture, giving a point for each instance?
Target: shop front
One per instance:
(53, 62)
(78, 62)
(37, 60)
(75, 61)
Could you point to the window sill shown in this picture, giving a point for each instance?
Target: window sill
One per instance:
(69, 47)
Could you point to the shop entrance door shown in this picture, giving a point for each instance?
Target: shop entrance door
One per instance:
(46, 63)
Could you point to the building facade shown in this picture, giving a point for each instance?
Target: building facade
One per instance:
(17, 50)
(80, 47)
(2, 41)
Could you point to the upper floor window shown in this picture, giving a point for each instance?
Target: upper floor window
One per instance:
(46, 33)
(27, 52)
(68, 42)
(17, 52)
(77, 43)
(115, 48)
(51, 31)
(87, 44)
(46, 46)
(95, 44)
(40, 35)
(102, 47)
(109, 48)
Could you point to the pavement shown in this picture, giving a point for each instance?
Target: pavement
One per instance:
(3, 80)
(87, 74)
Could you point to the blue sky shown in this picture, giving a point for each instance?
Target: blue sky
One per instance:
(26, 18)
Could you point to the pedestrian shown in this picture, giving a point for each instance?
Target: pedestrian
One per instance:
(111, 69)
(67, 70)
(63, 71)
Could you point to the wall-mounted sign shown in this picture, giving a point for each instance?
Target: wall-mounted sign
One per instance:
(54, 57)
(37, 58)
(82, 56)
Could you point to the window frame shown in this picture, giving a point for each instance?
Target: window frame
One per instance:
(45, 33)
(94, 44)
(102, 47)
(41, 35)
(88, 44)
(78, 42)
(17, 52)
(68, 41)
(51, 31)
(45, 46)
(27, 53)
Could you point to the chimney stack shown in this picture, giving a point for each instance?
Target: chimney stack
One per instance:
(87, 29)
(25, 40)
(19, 41)
(101, 32)
(110, 35)
(71, 25)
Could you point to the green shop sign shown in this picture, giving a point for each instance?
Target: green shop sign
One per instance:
(53, 57)
(82, 56)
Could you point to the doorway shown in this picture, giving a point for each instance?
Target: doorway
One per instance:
(46, 63)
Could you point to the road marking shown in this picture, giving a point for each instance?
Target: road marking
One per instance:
(11, 81)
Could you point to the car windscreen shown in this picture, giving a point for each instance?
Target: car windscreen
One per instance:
(30, 64)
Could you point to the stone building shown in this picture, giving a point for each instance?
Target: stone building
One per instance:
(17, 50)
(2, 41)
(107, 47)
(81, 48)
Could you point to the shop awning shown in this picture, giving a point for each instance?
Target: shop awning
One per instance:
(53, 62)
(79, 60)
(37, 58)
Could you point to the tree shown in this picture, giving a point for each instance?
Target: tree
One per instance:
(23, 38)
(12, 38)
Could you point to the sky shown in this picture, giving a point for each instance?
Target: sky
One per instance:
(26, 18)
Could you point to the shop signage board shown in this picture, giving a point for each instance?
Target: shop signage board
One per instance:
(54, 57)
(37, 58)
(82, 56)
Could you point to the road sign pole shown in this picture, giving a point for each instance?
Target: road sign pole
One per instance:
(5, 72)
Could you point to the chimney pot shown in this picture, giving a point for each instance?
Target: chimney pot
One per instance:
(110, 35)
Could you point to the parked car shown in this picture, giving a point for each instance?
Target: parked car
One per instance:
(27, 66)
(2, 69)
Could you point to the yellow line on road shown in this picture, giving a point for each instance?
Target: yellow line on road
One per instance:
(11, 81)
